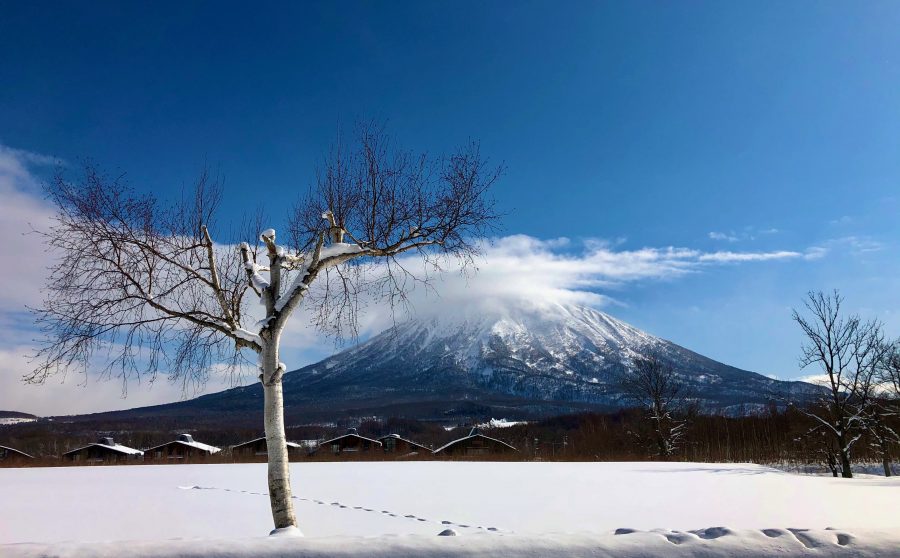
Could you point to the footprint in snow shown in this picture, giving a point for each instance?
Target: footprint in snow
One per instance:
(844, 539)
(712, 532)
(677, 538)
(805, 540)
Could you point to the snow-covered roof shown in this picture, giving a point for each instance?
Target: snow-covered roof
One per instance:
(110, 445)
(19, 452)
(349, 435)
(398, 437)
(255, 440)
(475, 433)
(188, 440)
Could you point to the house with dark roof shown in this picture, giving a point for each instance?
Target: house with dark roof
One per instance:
(182, 447)
(394, 443)
(351, 442)
(105, 450)
(474, 444)
(259, 448)
(11, 454)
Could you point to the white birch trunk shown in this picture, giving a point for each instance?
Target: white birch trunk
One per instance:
(279, 476)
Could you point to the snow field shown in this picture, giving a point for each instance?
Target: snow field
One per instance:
(664, 506)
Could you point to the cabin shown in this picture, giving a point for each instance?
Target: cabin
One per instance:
(105, 450)
(182, 447)
(351, 442)
(394, 443)
(259, 448)
(475, 444)
(9, 455)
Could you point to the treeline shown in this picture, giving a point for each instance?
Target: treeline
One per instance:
(777, 436)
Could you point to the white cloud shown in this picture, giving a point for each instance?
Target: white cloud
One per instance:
(724, 236)
(728, 257)
(860, 244)
(22, 252)
(748, 233)
(842, 220)
(77, 393)
(520, 269)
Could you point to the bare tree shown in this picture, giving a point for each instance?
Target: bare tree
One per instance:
(849, 352)
(885, 400)
(821, 445)
(883, 436)
(889, 375)
(147, 285)
(653, 385)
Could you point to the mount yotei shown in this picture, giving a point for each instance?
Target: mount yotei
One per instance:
(513, 361)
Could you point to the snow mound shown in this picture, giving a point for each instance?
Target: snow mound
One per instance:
(635, 544)
(286, 532)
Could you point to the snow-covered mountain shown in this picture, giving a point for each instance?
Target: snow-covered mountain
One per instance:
(536, 353)
(501, 360)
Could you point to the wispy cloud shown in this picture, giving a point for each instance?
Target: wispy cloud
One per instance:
(522, 268)
(853, 245)
(748, 233)
(842, 220)
(723, 236)
(861, 244)
(728, 257)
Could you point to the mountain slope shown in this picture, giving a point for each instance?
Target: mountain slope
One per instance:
(551, 353)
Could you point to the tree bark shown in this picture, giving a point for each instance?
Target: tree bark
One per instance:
(845, 464)
(279, 476)
(886, 463)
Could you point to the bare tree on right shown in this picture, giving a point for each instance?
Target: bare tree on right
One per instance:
(849, 352)
(884, 407)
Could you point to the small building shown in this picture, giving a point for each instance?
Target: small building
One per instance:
(259, 447)
(394, 443)
(105, 450)
(351, 442)
(12, 454)
(182, 447)
(474, 444)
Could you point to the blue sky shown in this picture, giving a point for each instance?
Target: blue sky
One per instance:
(734, 127)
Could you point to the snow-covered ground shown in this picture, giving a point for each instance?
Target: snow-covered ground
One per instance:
(492, 505)
(501, 423)
(8, 421)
